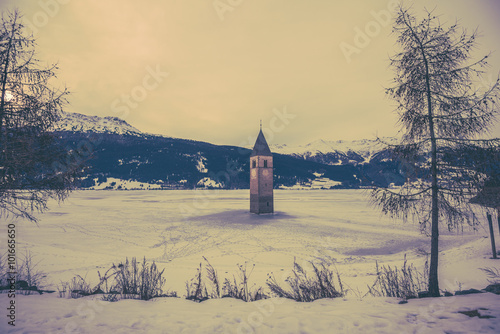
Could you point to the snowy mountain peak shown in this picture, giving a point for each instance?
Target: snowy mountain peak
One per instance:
(340, 149)
(84, 123)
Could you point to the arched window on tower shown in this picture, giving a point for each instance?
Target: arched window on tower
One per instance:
(265, 163)
(253, 164)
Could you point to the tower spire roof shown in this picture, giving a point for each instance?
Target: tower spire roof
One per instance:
(261, 147)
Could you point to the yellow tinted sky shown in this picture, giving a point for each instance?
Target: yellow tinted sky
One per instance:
(231, 63)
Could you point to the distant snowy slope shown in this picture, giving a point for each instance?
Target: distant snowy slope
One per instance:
(336, 152)
(83, 123)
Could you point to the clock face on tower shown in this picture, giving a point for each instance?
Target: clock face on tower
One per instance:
(265, 172)
(253, 173)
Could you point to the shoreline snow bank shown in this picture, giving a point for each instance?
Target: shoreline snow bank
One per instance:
(49, 314)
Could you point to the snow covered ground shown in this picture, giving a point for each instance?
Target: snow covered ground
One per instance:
(49, 314)
(119, 184)
(318, 183)
(94, 229)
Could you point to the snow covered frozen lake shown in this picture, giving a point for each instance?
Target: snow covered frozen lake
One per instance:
(94, 229)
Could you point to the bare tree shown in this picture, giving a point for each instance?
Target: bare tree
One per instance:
(442, 115)
(28, 108)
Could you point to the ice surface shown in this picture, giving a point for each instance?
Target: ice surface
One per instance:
(94, 229)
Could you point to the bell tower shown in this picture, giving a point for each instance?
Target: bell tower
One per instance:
(261, 177)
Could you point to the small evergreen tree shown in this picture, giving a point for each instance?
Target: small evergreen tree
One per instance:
(442, 115)
(28, 108)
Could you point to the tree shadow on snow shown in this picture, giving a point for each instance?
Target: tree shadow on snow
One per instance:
(241, 217)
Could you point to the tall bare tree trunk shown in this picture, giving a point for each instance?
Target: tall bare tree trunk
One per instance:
(492, 235)
(3, 91)
(498, 219)
(433, 267)
(4, 84)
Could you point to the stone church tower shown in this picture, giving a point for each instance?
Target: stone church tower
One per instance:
(261, 177)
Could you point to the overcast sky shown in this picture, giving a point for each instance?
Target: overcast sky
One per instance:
(210, 70)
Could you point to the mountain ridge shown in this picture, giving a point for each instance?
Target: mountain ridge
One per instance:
(119, 151)
(70, 121)
(365, 148)
(336, 152)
